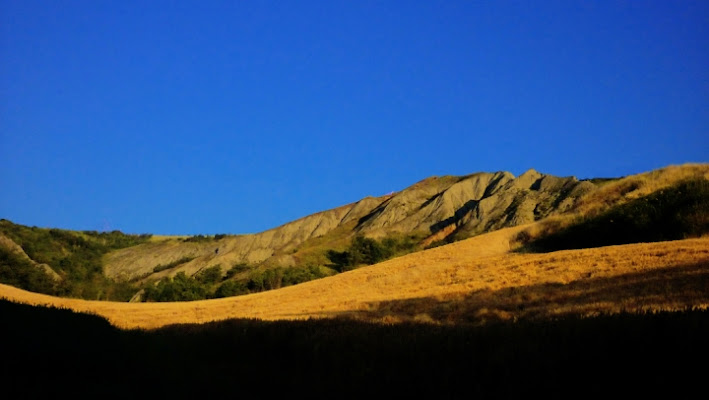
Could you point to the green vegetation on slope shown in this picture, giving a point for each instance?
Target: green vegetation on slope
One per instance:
(678, 212)
(277, 278)
(178, 288)
(20, 272)
(163, 267)
(75, 256)
(205, 238)
(367, 251)
(209, 283)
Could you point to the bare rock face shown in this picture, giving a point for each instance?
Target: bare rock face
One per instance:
(429, 204)
(437, 206)
(530, 197)
(474, 204)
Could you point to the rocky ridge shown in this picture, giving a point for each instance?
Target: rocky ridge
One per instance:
(436, 207)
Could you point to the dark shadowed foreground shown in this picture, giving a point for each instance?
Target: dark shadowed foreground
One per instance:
(48, 352)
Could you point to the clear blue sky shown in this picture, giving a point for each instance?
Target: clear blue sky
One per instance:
(186, 117)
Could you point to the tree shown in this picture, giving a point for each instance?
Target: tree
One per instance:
(209, 275)
(231, 288)
(237, 268)
(179, 288)
(362, 250)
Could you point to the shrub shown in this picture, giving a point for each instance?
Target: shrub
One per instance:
(20, 272)
(179, 288)
(237, 268)
(76, 256)
(202, 238)
(265, 280)
(294, 276)
(231, 288)
(362, 250)
(367, 251)
(677, 212)
(209, 275)
(280, 277)
(183, 260)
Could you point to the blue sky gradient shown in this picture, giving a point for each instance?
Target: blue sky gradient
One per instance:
(234, 117)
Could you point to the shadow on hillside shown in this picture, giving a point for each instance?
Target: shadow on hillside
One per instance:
(457, 216)
(667, 288)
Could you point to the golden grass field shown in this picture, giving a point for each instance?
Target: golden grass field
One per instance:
(472, 281)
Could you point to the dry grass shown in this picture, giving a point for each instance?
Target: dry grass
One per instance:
(474, 280)
(635, 186)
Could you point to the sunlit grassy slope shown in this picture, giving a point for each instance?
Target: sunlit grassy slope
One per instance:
(472, 281)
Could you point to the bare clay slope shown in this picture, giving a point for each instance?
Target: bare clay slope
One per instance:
(256, 248)
(436, 207)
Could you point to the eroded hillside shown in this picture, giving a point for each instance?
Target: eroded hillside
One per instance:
(435, 208)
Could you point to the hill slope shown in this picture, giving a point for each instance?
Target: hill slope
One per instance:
(474, 281)
(434, 208)
(434, 211)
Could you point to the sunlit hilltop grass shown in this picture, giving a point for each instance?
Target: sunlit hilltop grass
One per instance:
(472, 281)
(635, 186)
